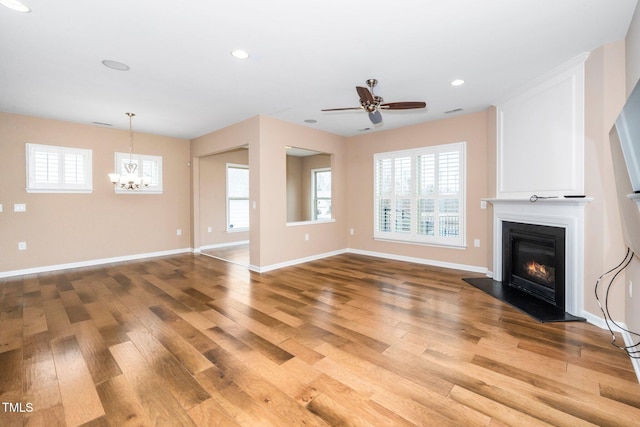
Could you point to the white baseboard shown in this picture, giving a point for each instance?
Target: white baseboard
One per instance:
(622, 329)
(272, 267)
(423, 261)
(92, 262)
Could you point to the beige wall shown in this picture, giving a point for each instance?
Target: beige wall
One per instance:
(294, 189)
(471, 128)
(68, 228)
(632, 44)
(279, 242)
(244, 134)
(213, 197)
(272, 242)
(604, 244)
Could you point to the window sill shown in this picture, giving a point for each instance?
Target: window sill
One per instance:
(58, 190)
(317, 221)
(237, 230)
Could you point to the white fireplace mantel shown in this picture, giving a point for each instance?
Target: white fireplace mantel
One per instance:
(567, 213)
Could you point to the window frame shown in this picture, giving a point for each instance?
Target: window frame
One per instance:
(314, 194)
(60, 186)
(228, 198)
(391, 197)
(155, 187)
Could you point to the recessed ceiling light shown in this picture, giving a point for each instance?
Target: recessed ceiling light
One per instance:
(311, 121)
(114, 65)
(239, 54)
(15, 5)
(457, 82)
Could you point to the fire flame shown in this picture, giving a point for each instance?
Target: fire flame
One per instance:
(540, 271)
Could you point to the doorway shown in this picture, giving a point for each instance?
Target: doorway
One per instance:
(223, 206)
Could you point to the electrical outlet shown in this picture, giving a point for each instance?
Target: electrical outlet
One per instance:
(306, 236)
(19, 207)
(476, 243)
(352, 231)
(22, 246)
(179, 232)
(209, 229)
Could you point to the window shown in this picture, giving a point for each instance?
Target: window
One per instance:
(237, 197)
(321, 190)
(148, 166)
(419, 195)
(52, 169)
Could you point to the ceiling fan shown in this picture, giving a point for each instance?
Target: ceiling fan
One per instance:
(373, 103)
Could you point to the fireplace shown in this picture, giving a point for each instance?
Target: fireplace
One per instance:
(534, 260)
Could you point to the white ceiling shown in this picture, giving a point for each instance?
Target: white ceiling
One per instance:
(305, 55)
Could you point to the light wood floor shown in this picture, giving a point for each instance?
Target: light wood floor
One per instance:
(237, 254)
(348, 340)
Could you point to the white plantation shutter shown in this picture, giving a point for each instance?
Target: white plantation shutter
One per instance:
(419, 195)
(449, 194)
(383, 191)
(58, 169)
(74, 171)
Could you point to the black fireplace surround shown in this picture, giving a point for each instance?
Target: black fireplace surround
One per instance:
(534, 260)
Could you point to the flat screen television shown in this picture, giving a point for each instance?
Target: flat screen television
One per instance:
(628, 127)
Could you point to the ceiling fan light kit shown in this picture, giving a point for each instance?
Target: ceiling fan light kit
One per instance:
(372, 103)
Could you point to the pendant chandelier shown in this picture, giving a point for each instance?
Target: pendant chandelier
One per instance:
(131, 180)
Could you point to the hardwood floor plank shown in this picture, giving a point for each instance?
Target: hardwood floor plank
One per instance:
(209, 413)
(79, 397)
(76, 311)
(96, 354)
(121, 405)
(49, 417)
(494, 409)
(158, 402)
(280, 404)
(177, 378)
(412, 400)
(235, 401)
(111, 331)
(39, 373)
(11, 375)
(346, 340)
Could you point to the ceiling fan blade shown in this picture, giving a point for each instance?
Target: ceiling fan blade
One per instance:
(341, 109)
(365, 95)
(375, 117)
(402, 105)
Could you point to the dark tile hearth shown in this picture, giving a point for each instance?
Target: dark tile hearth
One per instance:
(540, 310)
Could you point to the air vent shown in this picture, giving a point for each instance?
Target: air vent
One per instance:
(453, 111)
(102, 124)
